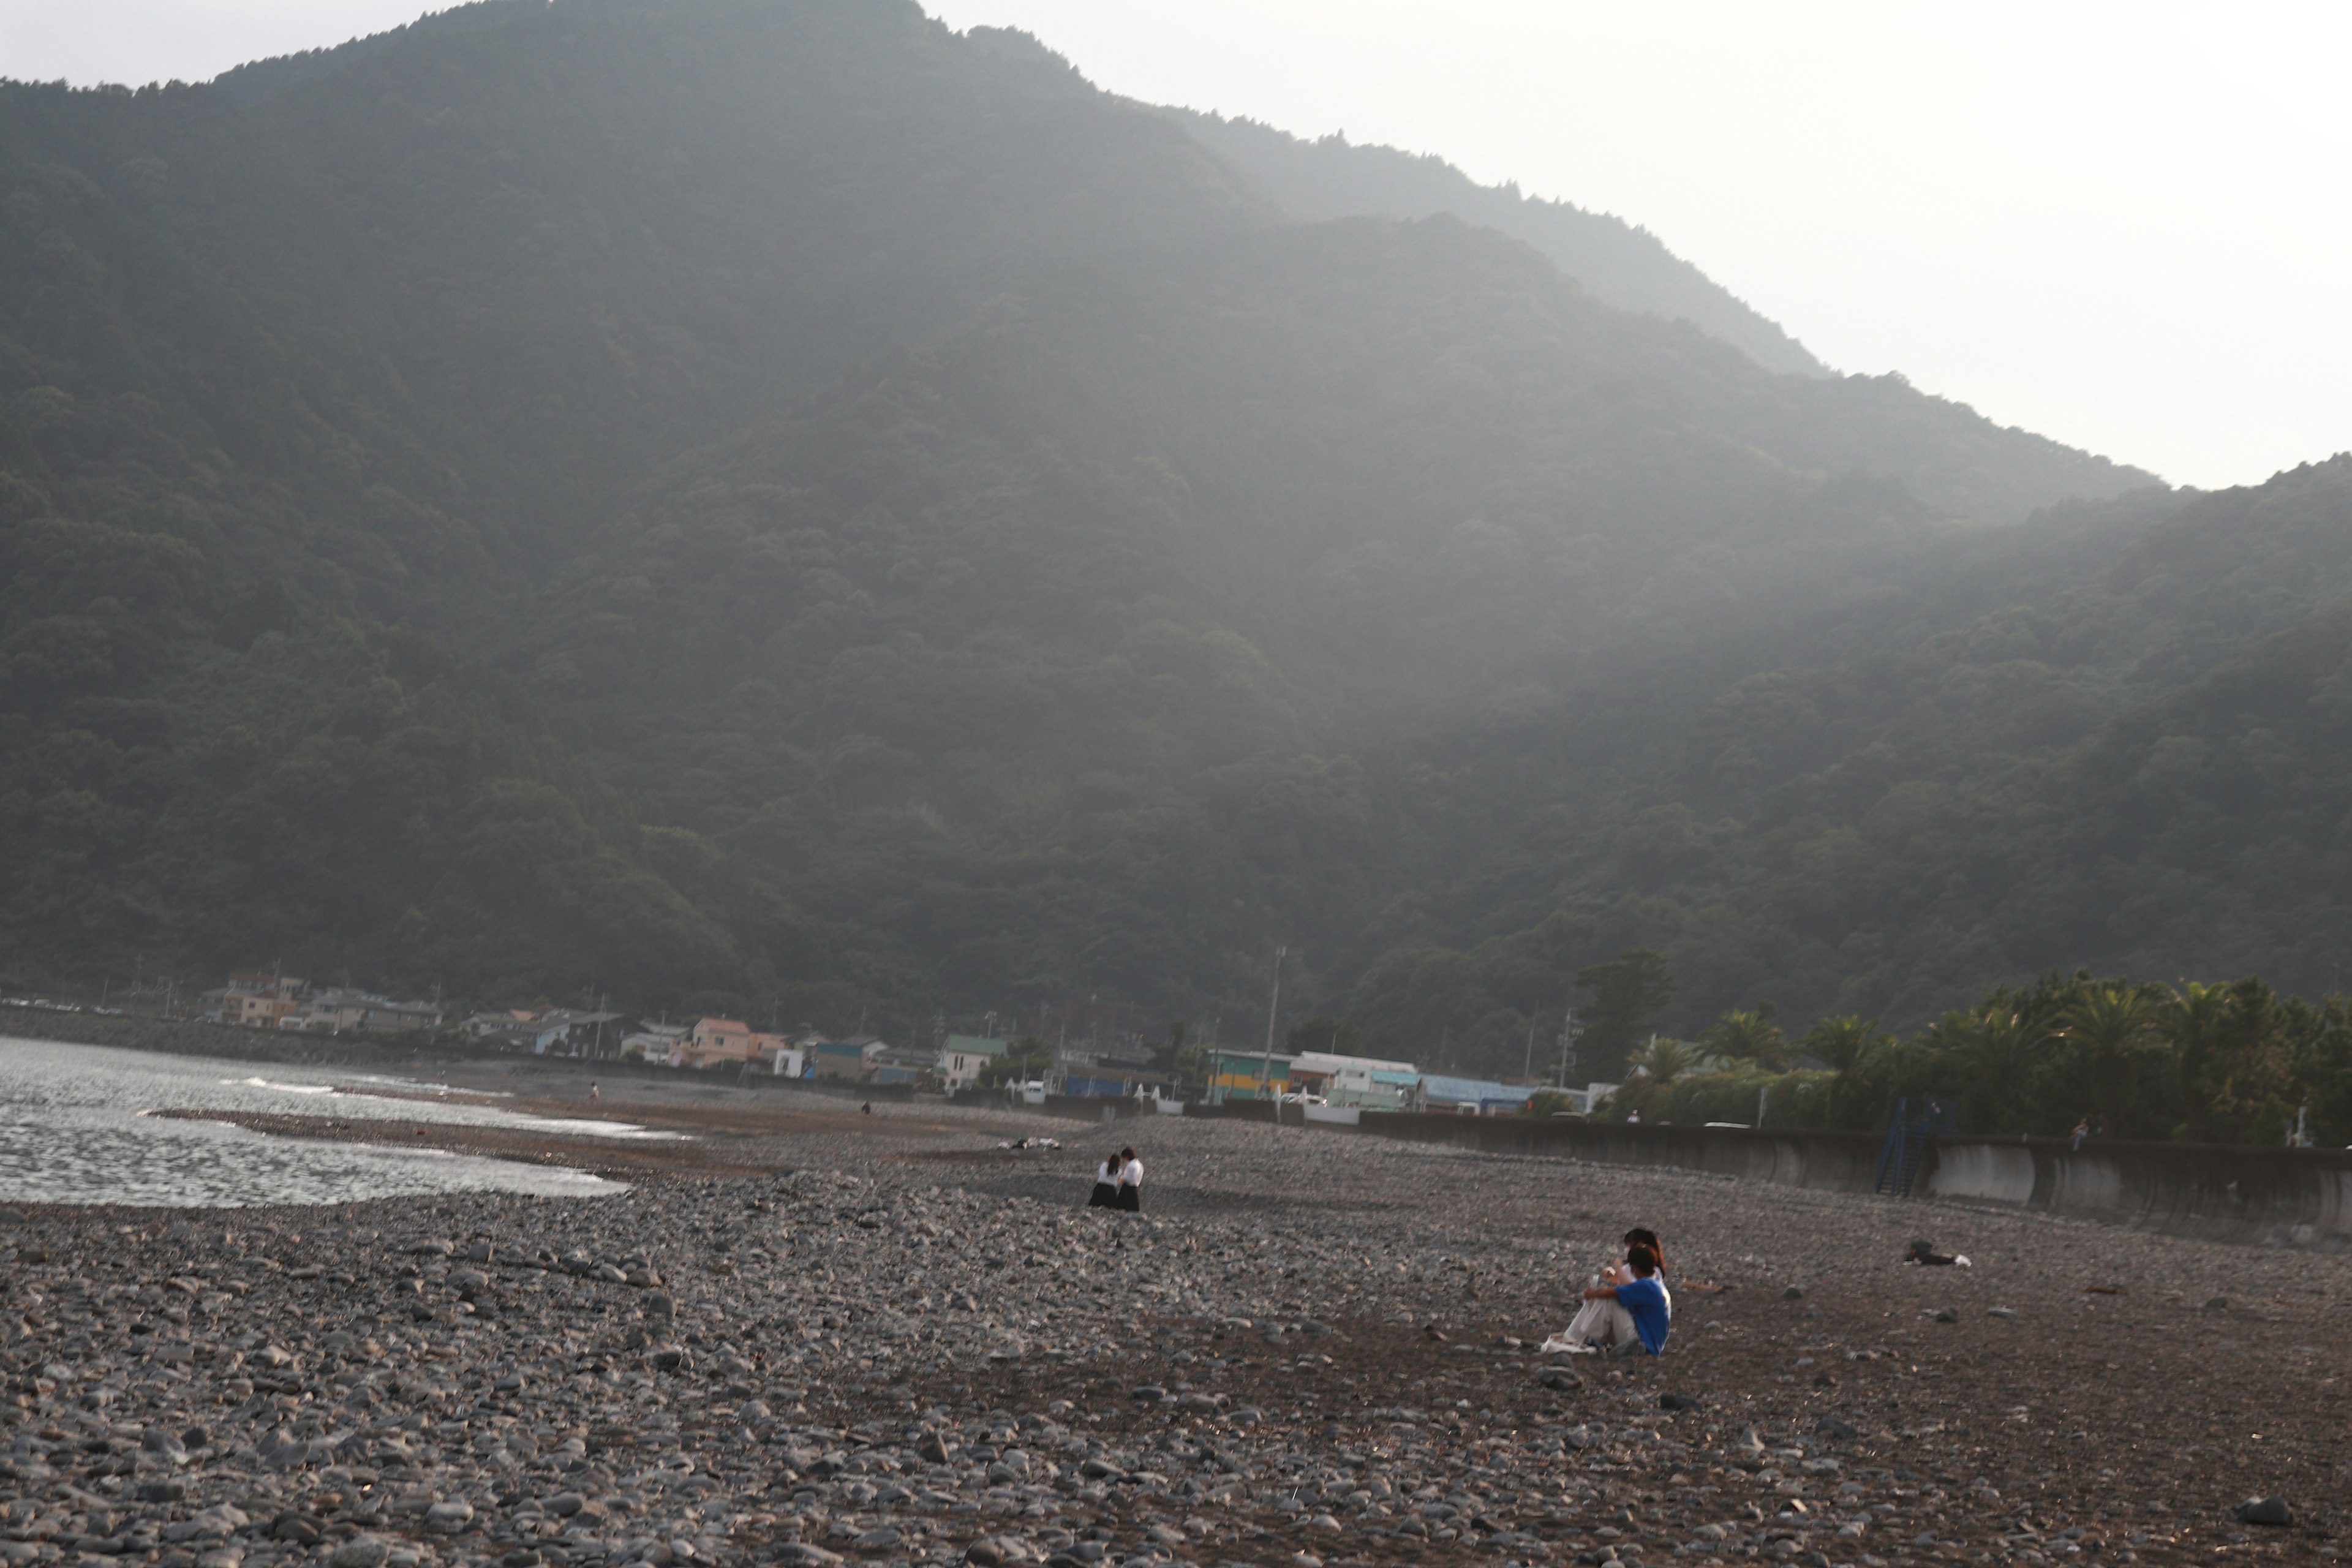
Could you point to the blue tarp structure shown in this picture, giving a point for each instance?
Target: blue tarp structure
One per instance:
(1095, 1087)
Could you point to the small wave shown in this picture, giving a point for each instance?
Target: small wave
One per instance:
(594, 1128)
(423, 1087)
(280, 1088)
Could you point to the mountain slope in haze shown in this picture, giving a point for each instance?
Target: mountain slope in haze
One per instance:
(1629, 267)
(1150, 581)
(2132, 761)
(424, 300)
(941, 526)
(208, 776)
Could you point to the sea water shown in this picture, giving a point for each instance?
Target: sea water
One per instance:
(76, 1127)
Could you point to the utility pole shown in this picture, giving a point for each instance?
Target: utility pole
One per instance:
(1265, 1069)
(1527, 1067)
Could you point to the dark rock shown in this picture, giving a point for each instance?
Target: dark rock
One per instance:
(1843, 1431)
(1673, 1401)
(1149, 1393)
(1794, 1293)
(1947, 1314)
(2271, 1511)
(936, 1449)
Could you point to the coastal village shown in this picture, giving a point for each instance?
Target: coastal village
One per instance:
(1096, 1053)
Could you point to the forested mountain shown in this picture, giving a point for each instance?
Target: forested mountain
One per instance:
(2128, 759)
(774, 503)
(1629, 267)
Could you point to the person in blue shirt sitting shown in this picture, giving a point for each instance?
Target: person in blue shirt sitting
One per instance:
(1644, 1298)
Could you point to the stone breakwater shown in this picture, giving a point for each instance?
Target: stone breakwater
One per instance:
(912, 1349)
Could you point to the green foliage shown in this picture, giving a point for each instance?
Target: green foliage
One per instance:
(1749, 1035)
(195, 773)
(1791, 1099)
(1662, 1061)
(1628, 993)
(1025, 1060)
(2229, 1062)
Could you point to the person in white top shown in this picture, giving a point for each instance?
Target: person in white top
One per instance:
(1106, 1193)
(1130, 1181)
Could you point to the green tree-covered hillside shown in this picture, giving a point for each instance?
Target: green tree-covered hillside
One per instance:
(741, 500)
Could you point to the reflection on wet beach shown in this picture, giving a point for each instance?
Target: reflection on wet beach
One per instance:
(76, 1127)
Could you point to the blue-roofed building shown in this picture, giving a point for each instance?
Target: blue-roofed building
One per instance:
(1470, 1095)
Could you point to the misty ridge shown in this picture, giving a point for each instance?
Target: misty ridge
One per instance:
(777, 508)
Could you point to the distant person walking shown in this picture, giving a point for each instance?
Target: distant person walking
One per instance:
(2082, 1133)
(1130, 1181)
(1106, 1193)
(595, 1094)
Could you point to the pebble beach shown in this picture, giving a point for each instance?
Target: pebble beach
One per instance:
(807, 1333)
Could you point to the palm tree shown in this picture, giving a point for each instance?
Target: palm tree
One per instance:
(2108, 1028)
(1840, 1044)
(1749, 1035)
(1663, 1060)
(1844, 1046)
(2233, 1058)
(1990, 1050)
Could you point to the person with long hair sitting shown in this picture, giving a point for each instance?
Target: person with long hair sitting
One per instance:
(1616, 1303)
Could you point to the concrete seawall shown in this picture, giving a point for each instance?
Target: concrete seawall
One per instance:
(2290, 1198)
(2294, 1197)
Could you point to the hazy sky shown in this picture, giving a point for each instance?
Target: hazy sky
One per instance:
(2123, 225)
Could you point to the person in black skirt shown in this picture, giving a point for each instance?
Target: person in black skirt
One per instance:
(1106, 1193)
(1130, 1181)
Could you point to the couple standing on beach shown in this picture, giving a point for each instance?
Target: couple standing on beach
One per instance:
(1119, 1184)
(1626, 1308)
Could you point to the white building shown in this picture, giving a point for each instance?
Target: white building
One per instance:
(1366, 1081)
